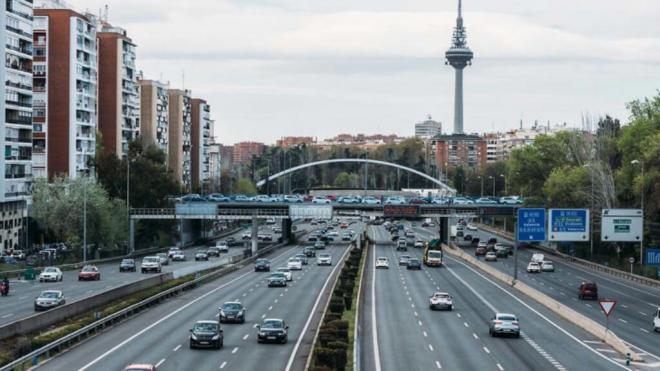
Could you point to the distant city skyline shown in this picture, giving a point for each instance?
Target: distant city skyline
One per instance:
(315, 68)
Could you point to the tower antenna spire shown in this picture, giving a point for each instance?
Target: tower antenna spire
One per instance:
(459, 56)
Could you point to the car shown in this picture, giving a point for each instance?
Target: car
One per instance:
(471, 227)
(127, 265)
(140, 367)
(286, 272)
(505, 250)
(213, 251)
(319, 245)
(262, 265)
(89, 273)
(164, 259)
(511, 200)
(294, 264)
(501, 253)
(267, 237)
(324, 259)
(206, 334)
(272, 330)
(485, 201)
(382, 262)
(193, 197)
(50, 274)
(538, 258)
(18, 254)
(232, 311)
(490, 256)
(414, 263)
(172, 251)
(533, 267)
(313, 238)
(440, 301)
(588, 290)
(348, 200)
(346, 236)
(246, 236)
(401, 245)
(482, 244)
(217, 197)
(179, 256)
(547, 266)
(371, 200)
(276, 279)
(403, 259)
(419, 244)
(504, 324)
(461, 201)
(222, 246)
(150, 264)
(320, 200)
(395, 200)
(302, 257)
(480, 251)
(656, 321)
(231, 241)
(201, 255)
(409, 234)
(49, 299)
(309, 251)
(467, 237)
(492, 241)
(475, 241)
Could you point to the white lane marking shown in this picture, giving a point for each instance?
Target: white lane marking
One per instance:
(500, 367)
(160, 362)
(642, 313)
(458, 315)
(623, 320)
(625, 306)
(234, 350)
(270, 308)
(416, 314)
(246, 336)
(316, 304)
(7, 315)
(176, 348)
(419, 323)
(645, 330)
(592, 341)
(412, 305)
(425, 334)
(244, 295)
(589, 305)
(282, 294)
(605, 350)
(430, 347)
(486, 350)
(475, 336)
(561, 292)
(438, 365)
(22, 298)
(170, 315)
(276, 300)
(263, 316)
(466, 324)
(223, 364)
(255, 325)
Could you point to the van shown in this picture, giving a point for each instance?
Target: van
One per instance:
(538, 258)
(588, 290)
(401, 245)
(656, 321)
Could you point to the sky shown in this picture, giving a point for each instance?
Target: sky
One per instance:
(273, 68)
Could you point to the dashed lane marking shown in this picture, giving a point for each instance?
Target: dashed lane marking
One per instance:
(430, 347)
(160, 363)
(176, 348)
(475, 336)
(500, 367)
(486, 350)
(233, 351)
(246, 336)
(438, 365)
(223, 364)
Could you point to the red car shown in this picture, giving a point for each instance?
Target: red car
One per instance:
(89, 273)
(331, 197)
(480, 251)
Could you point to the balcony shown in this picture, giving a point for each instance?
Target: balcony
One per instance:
(23, 50)
(17, 175)
(19, 139)
(19, 31)
(18, 85)
(19, 103)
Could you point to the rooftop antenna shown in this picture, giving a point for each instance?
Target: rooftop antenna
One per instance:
(105, 15)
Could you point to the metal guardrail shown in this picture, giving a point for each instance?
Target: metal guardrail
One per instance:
(586, 263)
(97, 326)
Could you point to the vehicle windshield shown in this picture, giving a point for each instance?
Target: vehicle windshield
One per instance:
(273, 324)
(435, 254)
(89, 269)
(283, 270)
(277, 275)
(50, 270)
(324, 255)
(262, 261)
(506, 318)
(127, 262)
(404, 257)
(413, 261)
(162, 255)
(49, 295)
(205, 327)
(151, 259)
(231, 306)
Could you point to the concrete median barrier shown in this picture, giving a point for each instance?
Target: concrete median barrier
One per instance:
(563, 311)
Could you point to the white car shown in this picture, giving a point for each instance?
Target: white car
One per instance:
(395, 201)
(173, 251)
(18, 254)
(287, 273)
(246, 235)
(441, 300)
(320, 200)
(294, 264)
(49, 299)
(324, 259)
(150, 264)
(178, 256)
(547, 266)
(50, 274)
(371, 200)
(538, 258)
(164, 260)
(471, 227)
(382, 262)
(419, 244)
(533, 267)
(222, 246)
(656, 321)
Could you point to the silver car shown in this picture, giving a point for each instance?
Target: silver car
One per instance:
(164, 259)
(49, 299)
(504, 324)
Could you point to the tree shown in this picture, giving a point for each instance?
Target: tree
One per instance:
(246, 186)
(568, 187)
(342, 180)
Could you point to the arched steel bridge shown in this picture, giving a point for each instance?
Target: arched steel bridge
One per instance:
(447, 189)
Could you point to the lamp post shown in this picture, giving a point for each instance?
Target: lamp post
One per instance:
(641, 242)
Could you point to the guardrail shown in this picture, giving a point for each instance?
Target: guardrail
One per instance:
(236, 263)
(582, 262)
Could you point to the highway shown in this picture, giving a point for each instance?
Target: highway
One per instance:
(160, 335)
(632, 317)
(400, 332)
(20, 302)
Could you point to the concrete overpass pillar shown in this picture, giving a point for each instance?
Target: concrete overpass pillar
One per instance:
(255, 233)
(286, 229)
(443, 230)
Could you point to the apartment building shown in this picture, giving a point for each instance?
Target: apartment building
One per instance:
(466, 150)
(200, 137)
(226, 156)
(65, 91)
(180, 136)
(428, 129)
(118, 89)
(215, 166)
(16, 122)
(154, 113)
(244, 151)
(286, 142)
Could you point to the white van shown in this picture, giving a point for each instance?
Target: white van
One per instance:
(538, 258)
(656, 321)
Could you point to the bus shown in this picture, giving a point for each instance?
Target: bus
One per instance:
(433, 254)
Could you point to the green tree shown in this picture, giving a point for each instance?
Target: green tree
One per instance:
(568, 187)
(342, 180)
(246, 186)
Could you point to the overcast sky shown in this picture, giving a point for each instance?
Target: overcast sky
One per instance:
(272, 68)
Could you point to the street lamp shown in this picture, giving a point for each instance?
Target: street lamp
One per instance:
(493, 178)
(641, 242)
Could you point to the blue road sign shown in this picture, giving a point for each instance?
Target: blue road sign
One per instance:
(652, 256)
(568, 225)
(531, 225)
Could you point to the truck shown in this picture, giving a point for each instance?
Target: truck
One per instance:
(433, 254)
(453, 231)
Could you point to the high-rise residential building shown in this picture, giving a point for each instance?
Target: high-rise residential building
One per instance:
(118, 89)
(428, 129)
(200, 139)
(65, 91)
(215, 166)
(244, 151)
(180, 136)
(155, 113)
(16, 122)
(466, 150)
(226, 156)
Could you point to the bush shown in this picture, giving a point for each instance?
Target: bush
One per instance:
(325, 357)
(340, 349)
(329, 317)
(337, 307)
(322, 368)
(348, 301)
(341, 329)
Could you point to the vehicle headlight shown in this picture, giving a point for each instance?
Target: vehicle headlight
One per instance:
(216, 337)
(240, 312)
(192, 336)
(222, 312)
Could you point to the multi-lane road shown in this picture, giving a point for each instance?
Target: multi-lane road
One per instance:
(399, 331)
(632, 318)
(160, 335)
(20, 303)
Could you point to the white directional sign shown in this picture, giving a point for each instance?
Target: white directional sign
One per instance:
(310, 211)
(622, 225)
(607, 306)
